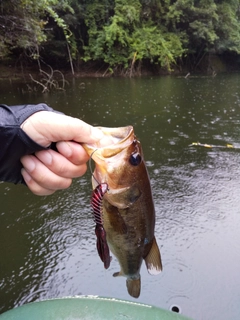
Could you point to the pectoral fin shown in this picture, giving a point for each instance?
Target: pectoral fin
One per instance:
(153, 259)
(125, 197)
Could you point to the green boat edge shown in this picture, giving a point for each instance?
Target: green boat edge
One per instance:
(89, 308)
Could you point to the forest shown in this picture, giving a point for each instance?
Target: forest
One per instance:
(122, 37)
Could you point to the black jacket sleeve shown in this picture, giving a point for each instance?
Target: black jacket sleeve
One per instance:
(14, 142)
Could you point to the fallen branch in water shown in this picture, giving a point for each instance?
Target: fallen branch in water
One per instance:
(45, 89)
(50, 81)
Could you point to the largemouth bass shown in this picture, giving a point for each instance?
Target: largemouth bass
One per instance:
(126, 210)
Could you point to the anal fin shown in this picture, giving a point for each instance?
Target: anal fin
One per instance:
(153, 259)
(117, 274)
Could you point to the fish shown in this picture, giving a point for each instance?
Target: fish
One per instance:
(127, 207)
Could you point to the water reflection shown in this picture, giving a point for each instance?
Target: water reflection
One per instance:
(47, 245)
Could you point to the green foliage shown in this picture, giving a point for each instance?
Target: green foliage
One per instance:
(212, 25)
(25, 22)
(158, 46)
(120, 33)
(19, 29)
(228, 27)
(129, 36)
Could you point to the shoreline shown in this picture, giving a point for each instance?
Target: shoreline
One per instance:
(15, 73)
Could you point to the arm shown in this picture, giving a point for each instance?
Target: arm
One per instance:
(27, 157)
(14, 142)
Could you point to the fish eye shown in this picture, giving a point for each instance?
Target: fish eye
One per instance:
(135, 159)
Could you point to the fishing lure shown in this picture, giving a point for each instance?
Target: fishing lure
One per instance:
(102, 246)
(96, 203)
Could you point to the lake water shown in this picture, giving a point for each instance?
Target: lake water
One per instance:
(48, 245)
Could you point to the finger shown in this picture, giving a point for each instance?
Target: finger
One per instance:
(73, 151)
(42, 175)
(60, 165)
(45, 127)
(34, 186)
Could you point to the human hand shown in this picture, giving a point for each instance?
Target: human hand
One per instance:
(48, 170)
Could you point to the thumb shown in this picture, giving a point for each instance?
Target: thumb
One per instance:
(45, 127)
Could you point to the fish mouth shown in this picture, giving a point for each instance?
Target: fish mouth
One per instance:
(113, 142)
(108, 152)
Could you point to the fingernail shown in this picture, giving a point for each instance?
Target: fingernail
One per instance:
(65, 148)
(45, 156)
(28, 163)
(26, 176)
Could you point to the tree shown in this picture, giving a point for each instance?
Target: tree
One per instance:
(123, 34)
(130, 36)
(211, 26)
(23, 25)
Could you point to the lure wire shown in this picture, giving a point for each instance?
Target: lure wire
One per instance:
(91, 171)
(90, 166)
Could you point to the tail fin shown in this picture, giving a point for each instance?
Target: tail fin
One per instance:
(134, 287)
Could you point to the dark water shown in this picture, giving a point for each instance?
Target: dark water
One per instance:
(47, 244)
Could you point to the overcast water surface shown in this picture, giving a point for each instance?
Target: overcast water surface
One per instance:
(48, 245)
